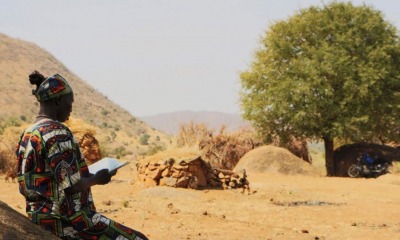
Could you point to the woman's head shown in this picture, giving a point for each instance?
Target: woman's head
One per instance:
(54, 94)
(49, 88)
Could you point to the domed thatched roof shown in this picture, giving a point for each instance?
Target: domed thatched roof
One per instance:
(271, 159)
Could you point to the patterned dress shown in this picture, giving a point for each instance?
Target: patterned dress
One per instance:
(49, 161)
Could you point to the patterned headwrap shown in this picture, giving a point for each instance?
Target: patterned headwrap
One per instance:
(52, 87)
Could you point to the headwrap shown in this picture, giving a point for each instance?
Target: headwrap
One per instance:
(52, 87)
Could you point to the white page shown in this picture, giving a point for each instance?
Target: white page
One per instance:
(106, 163)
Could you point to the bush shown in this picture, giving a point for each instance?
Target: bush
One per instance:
(113, 136)
(155, 149)
(105, 112)
(121, 151)
(10, 122)
(222, 149)
(144, 139)
(8, 141)
(23, 118)
(132, 120)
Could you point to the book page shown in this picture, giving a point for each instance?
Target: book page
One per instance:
(111, 164)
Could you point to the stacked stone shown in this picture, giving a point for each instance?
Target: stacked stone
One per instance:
(166, 174)
(170, 174)
(229, 179)
(90, 148)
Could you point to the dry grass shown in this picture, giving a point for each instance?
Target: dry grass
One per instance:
(223, 149)
(178, 153)
(8, 146)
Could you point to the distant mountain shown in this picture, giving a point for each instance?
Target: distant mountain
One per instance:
(116, 128)
(170, 122)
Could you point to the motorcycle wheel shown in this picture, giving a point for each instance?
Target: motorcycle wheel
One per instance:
(385, 168)
(353, 171)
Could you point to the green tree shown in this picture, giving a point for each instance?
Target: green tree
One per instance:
(324, 73)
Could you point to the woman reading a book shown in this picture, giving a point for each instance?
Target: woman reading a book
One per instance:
(53, 175)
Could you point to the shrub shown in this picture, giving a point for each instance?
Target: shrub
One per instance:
(105, 112)
(132, 120)
(144, 139)
(223, 149)
(113, 136)
(23, 118)
(121, 151)
(10, 122)
(155, 149)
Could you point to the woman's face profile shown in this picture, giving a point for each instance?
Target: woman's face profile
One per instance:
(65, 107)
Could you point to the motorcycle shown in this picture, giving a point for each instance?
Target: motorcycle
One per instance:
(367, 166)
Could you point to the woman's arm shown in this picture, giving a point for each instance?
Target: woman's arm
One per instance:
(100, 178)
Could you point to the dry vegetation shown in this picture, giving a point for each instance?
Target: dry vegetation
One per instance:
(223, 149)
(8, 145)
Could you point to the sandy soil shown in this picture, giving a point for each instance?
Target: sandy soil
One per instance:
(282, 207)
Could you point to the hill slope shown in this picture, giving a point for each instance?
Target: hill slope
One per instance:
(170, 122)
(115, 127)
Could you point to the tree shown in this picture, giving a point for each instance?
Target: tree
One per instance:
(324, 73)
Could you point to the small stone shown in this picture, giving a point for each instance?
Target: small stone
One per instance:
(354, 224)
(205, 213)
(304, 231)
(223, 216)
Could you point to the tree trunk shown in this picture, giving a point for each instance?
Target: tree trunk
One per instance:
(329, 164)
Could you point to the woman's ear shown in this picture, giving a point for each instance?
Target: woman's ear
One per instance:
(57, 100)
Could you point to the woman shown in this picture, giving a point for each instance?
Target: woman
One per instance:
(53, 175)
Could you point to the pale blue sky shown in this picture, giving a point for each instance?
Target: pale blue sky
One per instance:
(157, 56)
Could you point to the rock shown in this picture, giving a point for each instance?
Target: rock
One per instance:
(182, 182)
(16, 226)
(150, 182)
(168, 181)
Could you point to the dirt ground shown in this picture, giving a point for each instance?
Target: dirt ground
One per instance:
(280, 207)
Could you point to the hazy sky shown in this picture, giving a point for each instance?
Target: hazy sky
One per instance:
(157, 56)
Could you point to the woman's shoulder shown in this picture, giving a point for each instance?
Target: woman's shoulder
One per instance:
(46, 126)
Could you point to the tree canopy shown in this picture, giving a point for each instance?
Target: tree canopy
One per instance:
(324, 73)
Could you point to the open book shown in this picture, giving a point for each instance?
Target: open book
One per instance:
(111, 164)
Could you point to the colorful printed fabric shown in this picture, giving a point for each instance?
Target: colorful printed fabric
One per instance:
(52, 87)
(49, 161)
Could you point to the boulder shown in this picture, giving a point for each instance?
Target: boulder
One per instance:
(16, 226)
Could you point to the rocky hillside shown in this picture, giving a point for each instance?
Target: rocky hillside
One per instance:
(118, 132)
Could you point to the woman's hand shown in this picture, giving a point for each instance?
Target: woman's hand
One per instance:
(103, 177)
